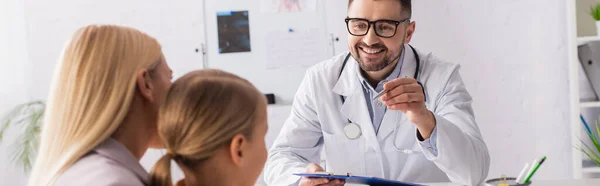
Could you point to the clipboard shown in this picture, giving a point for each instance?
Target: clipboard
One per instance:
(373, 181)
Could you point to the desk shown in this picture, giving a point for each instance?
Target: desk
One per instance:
(582, 182)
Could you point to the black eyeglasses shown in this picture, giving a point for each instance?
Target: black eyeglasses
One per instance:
(383, 28)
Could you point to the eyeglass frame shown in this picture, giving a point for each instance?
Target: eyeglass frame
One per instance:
(369, 23)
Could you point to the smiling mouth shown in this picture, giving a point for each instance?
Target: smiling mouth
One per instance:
(371, 51)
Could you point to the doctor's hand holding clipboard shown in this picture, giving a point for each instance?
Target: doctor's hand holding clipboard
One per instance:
(314, 168)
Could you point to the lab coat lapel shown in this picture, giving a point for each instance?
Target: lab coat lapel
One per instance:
(392, 118)
(409, 65)
(355, 107)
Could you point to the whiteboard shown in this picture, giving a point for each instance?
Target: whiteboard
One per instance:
(282, 82)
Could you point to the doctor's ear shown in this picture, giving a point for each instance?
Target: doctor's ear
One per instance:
(237, 147)
(410, 30)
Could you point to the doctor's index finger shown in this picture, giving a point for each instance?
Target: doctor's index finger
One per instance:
(397, 82)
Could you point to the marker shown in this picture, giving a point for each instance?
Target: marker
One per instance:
(535, 168)
(523, 173)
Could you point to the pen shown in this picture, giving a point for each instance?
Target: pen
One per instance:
(380, 94)
(535, 168)
(523, 173)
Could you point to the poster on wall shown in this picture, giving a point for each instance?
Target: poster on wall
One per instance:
(292, 49)
(234, 31)
(278, 6)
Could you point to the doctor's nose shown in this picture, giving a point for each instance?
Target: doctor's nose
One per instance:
(371, 38)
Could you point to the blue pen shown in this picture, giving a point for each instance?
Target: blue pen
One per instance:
(585, 124)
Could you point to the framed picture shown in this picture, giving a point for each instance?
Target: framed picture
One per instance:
(234, 31)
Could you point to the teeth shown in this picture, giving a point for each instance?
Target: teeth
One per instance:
(372, 51)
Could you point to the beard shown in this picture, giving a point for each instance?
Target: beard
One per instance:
(376, 64)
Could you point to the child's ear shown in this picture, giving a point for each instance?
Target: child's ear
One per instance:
(236, 149)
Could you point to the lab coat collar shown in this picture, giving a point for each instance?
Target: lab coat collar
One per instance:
(116, 151)
(348, 81)
(409, 64)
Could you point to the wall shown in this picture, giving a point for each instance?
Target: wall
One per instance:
(514, 63)
(263, 25)
(179, 29)
(13, 78)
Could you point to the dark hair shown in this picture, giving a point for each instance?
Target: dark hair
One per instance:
(406, 6)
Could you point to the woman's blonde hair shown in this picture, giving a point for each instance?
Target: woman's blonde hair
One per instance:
(91, 93)
(203, 111)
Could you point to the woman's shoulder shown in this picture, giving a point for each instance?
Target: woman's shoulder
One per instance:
(94, 169)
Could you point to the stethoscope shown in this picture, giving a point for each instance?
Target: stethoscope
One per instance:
(352, 130)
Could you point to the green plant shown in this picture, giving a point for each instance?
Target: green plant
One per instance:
(26, 119)
(594, 155)
(595, 12)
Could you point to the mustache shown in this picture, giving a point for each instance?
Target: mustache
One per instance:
(375, 46)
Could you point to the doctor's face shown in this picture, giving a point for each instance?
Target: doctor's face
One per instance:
(380, 46)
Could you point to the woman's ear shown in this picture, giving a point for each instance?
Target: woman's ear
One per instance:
(239, 143)
(144, 84)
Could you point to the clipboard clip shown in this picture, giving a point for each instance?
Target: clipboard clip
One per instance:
(332, 174)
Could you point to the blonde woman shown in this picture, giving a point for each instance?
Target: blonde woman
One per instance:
(102, 109)
(213, 124)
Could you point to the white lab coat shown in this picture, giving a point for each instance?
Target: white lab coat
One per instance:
(318, 118)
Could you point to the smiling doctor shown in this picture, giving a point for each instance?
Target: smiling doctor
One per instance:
(421, 130)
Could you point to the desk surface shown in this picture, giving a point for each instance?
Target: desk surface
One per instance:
(582, 182)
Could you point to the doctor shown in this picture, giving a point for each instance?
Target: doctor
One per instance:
(421, 130)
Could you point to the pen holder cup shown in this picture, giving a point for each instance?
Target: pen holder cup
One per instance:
(509, 181)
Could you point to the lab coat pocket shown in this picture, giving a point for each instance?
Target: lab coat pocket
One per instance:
(340, 142)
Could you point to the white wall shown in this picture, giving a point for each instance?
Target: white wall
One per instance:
(177, 26)
(514, 63)
(13, 78)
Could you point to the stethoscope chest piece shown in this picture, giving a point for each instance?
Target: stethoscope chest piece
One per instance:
(352, 131)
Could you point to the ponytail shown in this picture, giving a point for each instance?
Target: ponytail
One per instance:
(202, 112)
(161, 172)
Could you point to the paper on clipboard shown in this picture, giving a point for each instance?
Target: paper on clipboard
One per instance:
(373, 181)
